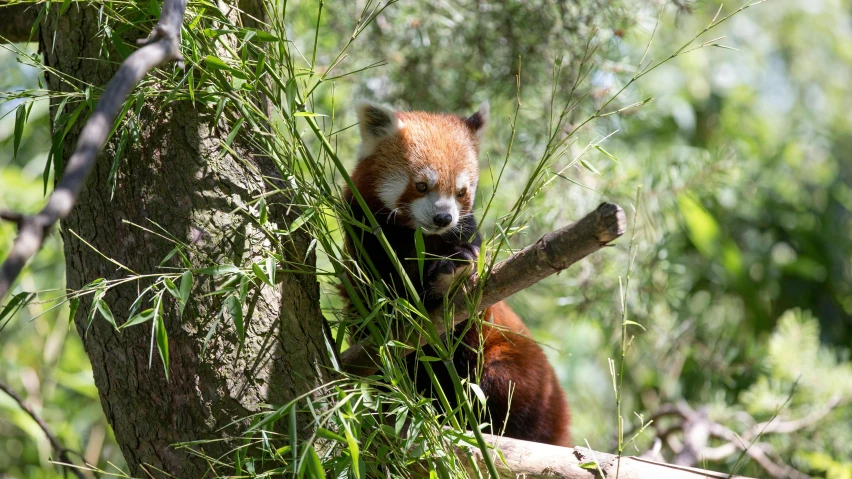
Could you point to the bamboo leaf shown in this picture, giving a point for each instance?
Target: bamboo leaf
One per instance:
(185, 289)
(311, 465)
(290, 94)
(103, 308)
(589, 167)
(210, 333)
(74, 303)
(261, 205)
(162, 340)
(171, 288)
(326, 434)
(270, 268)
(236, 311)
(140, 318)
(217, 270)
(260, 274)
(20, 121)
(354, 451)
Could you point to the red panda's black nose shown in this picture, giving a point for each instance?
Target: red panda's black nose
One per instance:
(442, 219)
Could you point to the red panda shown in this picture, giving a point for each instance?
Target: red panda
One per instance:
(420, 170)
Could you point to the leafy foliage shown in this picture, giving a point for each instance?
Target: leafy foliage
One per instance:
(740, 273)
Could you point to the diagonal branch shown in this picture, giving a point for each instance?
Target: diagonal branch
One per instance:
(57, 446)
(161, 46)
(551, 254)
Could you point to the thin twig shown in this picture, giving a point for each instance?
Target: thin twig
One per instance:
(57, 446)
(161, 46)
(697, 428)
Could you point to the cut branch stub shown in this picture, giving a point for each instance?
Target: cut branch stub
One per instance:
(551, 254)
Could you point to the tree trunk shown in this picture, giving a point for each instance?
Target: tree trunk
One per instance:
(171, 178)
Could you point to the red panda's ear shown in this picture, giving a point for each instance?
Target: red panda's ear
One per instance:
(375, 122)
(477, 121)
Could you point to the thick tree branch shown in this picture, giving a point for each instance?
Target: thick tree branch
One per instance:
(532, 460)
(16, 21)
(163, 45)
(551, 254)
(54, 442)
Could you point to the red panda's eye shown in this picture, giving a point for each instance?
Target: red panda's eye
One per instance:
(462, 192)
(421, 187)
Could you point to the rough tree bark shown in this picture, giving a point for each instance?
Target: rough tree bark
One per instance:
(172, 177)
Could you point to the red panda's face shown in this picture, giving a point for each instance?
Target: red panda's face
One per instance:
(419, 168)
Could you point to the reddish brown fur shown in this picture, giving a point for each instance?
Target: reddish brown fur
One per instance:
(511, 355)
(441, 142)
(512, 362)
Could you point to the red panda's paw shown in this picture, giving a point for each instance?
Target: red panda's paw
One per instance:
(441, 274)
(465, 254)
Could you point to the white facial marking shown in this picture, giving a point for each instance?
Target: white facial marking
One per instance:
(431, 176)
(391, 187)
(424, 210)
(462, 181)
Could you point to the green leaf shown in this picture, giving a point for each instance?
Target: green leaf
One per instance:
(173, 252)
(261, 205)
(261, 65)
(354, 451)
(171, 288)
(260, 274)
(210, 333)
(20, 121)
(606, 153)
(634, 323)
(65, 5)
(163, 341)
(217, 270)
(216, 62)
(259, 35)
(270, 268)
(185, 289)
(234, 131)
(244, 284)
(290, 94)
(307, 113)
(74, 304)
(589, 167)
(311, 465)
(480, 395)
(326, 434)
(589, 465)
(103, 308)
(398, 344)
(298, 222)
(121, 47)
(140, 318)
(420, 248)
(236, 311)
(220, 107)
(17, 302)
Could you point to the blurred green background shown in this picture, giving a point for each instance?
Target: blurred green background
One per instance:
(743, 274)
